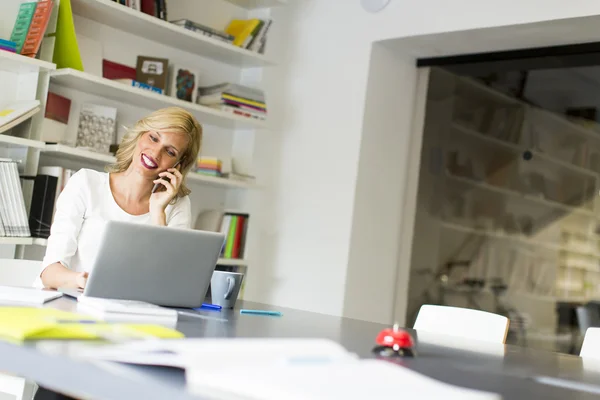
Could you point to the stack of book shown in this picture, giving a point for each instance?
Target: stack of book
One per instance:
(250, 34)
(231, 223)
(235, 227)
(235, 99)
(204, 30)
(30, 26)
(7, 45)
(209, 166)
(13, 216)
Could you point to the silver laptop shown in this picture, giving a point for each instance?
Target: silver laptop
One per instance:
(160, 265)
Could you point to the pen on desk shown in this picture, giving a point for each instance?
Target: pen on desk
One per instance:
(261, 312)
(77, 321)
(206, 306)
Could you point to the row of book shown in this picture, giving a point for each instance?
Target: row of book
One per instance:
(233, 224)
(204, 30)
(29, 28)
(234, 98)
(155, 8)
(248, 34)
(13, 215)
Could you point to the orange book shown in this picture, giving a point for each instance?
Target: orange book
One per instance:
(37, 28)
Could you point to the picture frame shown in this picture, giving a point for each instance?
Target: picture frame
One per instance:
(183, 82)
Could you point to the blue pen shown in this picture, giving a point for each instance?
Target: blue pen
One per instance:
(206, 306)
(261, 312)
(77, 321)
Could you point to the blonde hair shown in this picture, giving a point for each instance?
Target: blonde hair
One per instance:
(170, 119)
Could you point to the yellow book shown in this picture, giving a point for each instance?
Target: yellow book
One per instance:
(24, 323)
(242, 100)
(241, 29)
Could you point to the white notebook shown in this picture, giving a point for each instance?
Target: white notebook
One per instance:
(10, 295)
(133, 311)
(125, 306)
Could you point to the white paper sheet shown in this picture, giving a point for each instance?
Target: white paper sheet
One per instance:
(348, 380)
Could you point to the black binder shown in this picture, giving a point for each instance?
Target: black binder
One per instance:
(42, 205)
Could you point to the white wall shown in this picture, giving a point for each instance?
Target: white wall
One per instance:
(321, 255)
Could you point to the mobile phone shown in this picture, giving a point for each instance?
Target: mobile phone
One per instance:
(156, 185)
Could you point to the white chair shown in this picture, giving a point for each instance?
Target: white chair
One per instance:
(462, 323)
(18, 273)
(591, 344)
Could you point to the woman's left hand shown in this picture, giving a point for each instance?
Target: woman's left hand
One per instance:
(160, 199)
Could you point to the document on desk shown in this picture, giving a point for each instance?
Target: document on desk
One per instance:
(301, 369)
(341, 379)
(13, 295)
(216, 354)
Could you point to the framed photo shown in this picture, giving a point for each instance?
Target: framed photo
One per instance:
(183, 83)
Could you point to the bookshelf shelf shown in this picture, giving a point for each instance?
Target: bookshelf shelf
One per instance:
(219, 182)
(78, 154)
(85, 155)
(11, 62)
(508, 192)
(233, 262)
(23, 241)
(13, 141)
(117, 91)
(253, 4)
(519, 149)
(137, 23)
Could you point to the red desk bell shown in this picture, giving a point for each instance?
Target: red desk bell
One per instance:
(393, 342)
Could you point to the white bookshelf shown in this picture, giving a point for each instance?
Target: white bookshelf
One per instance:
(125, 33)
(16, 63)
(254, 4)
(117, 91)
(137, 23)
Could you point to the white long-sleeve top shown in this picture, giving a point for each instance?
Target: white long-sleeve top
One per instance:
(82, 210)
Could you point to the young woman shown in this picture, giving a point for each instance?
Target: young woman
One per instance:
(159, 150)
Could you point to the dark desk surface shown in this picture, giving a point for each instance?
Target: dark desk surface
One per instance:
(509, 373)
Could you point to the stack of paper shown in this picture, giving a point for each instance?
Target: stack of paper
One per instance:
(26, 296)
(126, 311)
(294, 369)
(356, 379)
(300, 370)
(13, 215)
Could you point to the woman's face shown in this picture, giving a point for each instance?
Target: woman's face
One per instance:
(158, 151)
